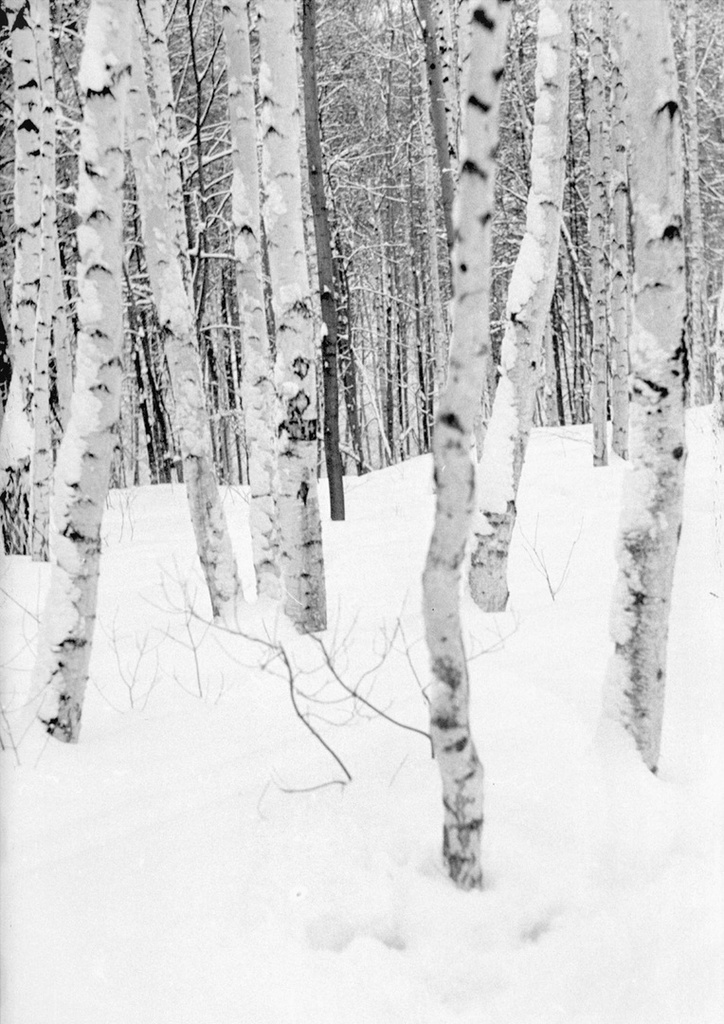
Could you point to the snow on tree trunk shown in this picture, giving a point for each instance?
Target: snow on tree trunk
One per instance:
(460, 768)
(620, 304)
(295, 368)
(166, 128)
(700, 391)
(257, 381)
(16, 439)
(176, 321)
(600, 172)
(41, 468)
(653, 491)
(529, 299)
(440, 126)
(84, 458)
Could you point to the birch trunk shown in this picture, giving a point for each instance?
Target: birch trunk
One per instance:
(653, 491)
(257, 382)
(697, 339)
(324, 262)
(176, 321)
(16, 440)
(440, 127)
(84, 458)
(41, 467)
(460, 768)
(295, 369)
(439, 327)
(529, 300)
(619, 254)
(167, 130)
(62, 344)
(600, 169)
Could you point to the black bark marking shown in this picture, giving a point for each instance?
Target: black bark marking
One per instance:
(498, 74)
(671, 232)
(658, 388)
(444, 722)
(471, 167)
(300, 365)
(449, 419)
(678, 452)
(671, 107)
(485, 219)
(303, 492)
(479, 104)
(105, 91)
(480, 17)
(28, 126)
(463, 268)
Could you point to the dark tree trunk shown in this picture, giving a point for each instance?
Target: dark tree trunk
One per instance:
(325, 265)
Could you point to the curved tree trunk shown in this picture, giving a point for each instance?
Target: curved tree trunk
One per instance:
(325, 265)
(460, 768)
(295, 369)
(529, 299)
(653, 491)
(84, 458)
(16, 439)
(257, 383)
(175, 317)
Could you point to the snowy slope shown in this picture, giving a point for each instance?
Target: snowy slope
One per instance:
(160, 873)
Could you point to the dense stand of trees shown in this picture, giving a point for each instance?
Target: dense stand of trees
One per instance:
(242, 236)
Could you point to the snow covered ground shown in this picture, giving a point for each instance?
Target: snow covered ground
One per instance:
(172, 868)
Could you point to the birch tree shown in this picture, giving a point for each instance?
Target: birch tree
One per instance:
(620, 305)
(16, 439)
(324, 261)
(529, 299)
(41, 469)
(84, 458)
(460, 767)
(600, 171)
(257, 379)
(300, 528)
(440, 124)
(697, 319)
(176, 320)
(653, 492)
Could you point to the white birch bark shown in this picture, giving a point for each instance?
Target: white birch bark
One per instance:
(439, 326)
(700, 391)
(84, 458)
(166, 128)
(41, 466)
(62, 344)
(16, 438)
(176, 320)
(653, 491)
(598, 233)
(618, 347)
(460, 767)
(300, 528)
(257, 383)
(529, 298)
